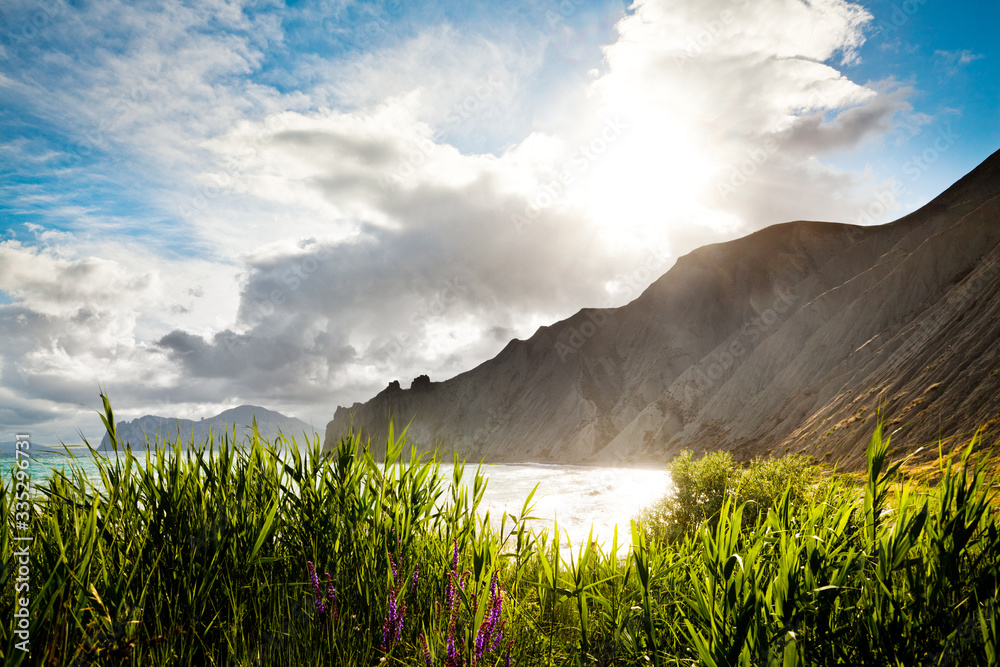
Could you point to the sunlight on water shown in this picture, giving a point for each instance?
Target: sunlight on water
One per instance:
(578, 497)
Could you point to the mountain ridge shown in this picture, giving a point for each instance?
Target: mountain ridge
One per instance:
(269, 423)
(755, 345)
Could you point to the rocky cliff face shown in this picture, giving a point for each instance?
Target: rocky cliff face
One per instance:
(791, 339)
(269, 424)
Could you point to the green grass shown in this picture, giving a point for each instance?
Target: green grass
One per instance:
(195, 559)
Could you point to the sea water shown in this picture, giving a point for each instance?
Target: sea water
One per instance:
(579, 498)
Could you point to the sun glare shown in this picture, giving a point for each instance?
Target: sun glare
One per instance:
(642, 183)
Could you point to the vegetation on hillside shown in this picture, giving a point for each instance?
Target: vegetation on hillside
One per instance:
(281, 554)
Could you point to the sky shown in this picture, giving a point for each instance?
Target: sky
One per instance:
(214, 203)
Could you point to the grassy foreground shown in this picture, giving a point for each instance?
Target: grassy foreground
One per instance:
(285, 555)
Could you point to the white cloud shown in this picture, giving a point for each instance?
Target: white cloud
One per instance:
(74, 323)
(58, 287)
(448, 68)
(70, 324)
(400, 217)
(733, 105)
(951, 62)
(399, 211)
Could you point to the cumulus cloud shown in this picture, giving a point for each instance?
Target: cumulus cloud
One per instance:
(66, 319)
(72, 321)
(428, 253)
(400, 208)
(425, 251)
(757, 102)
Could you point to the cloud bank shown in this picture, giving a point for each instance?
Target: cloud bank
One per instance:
(314, 224)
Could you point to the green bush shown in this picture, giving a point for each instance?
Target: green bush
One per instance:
(762, 482)
(701, 486)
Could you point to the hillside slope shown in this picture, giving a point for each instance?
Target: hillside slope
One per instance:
(789, 339)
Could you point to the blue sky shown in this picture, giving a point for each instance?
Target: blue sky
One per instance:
(217, 203)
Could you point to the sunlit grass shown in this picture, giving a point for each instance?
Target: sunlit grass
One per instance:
(196, 553)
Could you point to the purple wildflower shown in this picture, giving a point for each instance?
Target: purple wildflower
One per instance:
(498, 638)
(496, 600)
(480, 642)
(387, 624)
(416, 576)
(454, 658)
(451, 596)
(326, 603)
(317, 593)
(392, 564)
(427, 652)
(312, 574)
(490, 633)
(331, 594)
(392, 625)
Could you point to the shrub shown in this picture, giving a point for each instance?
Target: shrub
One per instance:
(762, 483)
(699, 489)
(701, 486)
